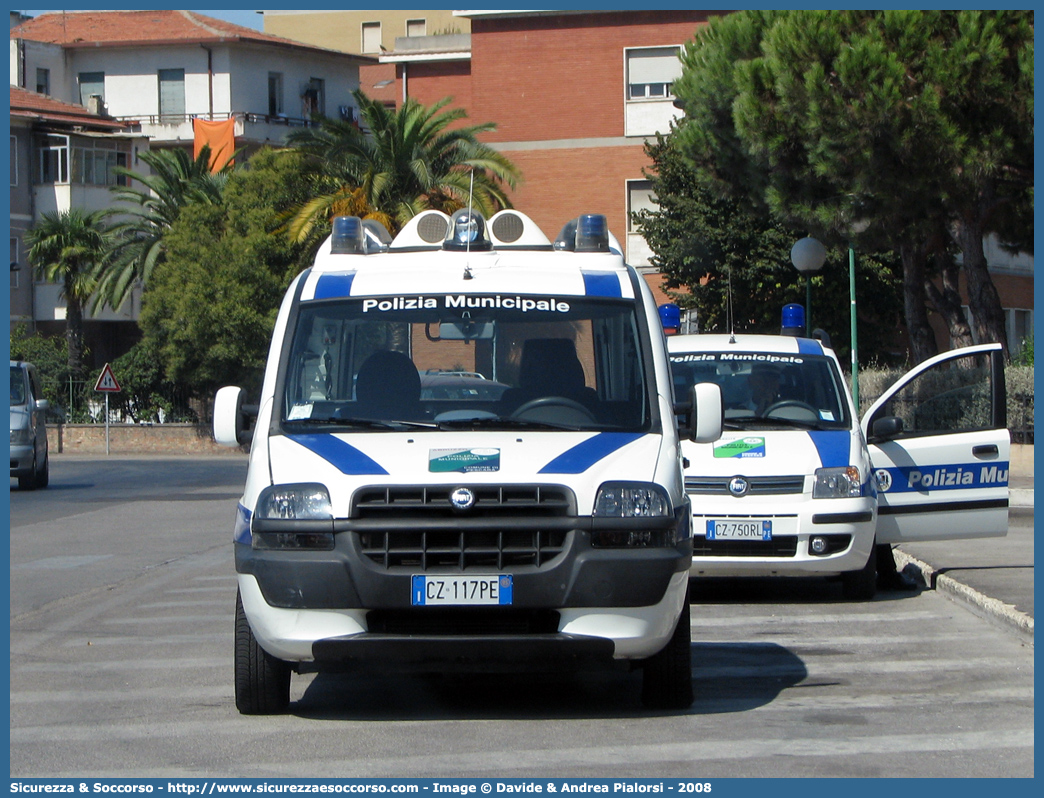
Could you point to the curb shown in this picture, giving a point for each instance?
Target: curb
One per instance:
(983, 605)
(1020, 497)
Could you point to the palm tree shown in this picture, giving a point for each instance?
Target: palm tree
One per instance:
(399, 163)
(176, 180)
(69, 247)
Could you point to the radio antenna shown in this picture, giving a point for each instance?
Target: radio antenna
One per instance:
(471, 193)
(730, 319)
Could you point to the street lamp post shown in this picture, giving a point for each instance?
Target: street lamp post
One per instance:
(855, 228)
(808, 256)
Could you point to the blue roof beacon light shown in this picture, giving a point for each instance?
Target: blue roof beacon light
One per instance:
(467, 232)
(793, 320)
(592, 233)
(347, 237)
(670, 317)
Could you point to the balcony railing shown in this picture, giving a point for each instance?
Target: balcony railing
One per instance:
(244, 116)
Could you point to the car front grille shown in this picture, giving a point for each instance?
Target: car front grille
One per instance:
(507, 527)
(759, 486)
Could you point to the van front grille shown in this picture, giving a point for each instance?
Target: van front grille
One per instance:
(506, 527)
(759, 486)
(784, 546)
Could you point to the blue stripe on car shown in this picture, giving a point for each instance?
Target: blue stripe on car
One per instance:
(584, 455)
(343, 456)
(601, 284)
(833, 447)
(330, 286)
(806, 346)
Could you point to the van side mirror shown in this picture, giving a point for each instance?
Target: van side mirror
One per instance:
(886, 428)
(703, 414)
(232, 418)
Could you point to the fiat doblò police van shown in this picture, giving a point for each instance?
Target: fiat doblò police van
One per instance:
(532, 516)
(796, 487)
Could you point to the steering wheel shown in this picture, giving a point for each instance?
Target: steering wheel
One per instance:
(784, 404)
(571, 407)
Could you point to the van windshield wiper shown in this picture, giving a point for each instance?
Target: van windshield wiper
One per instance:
(360, 423)
(747, 422)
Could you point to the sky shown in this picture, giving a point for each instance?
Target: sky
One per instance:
(246, 17)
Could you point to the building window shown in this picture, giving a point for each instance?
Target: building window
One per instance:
(91, 84)
(1019, 328)
(275, 93)
(52, 159)
(651, 72)
(15, 268)
(416, 27)
(14, 161)
(313, 101)
(83, 161)
(371, 37)
(640, 197)
(94, 162)
(172, 95)
(43, 81)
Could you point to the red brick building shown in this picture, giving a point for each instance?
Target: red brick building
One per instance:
(575, 96)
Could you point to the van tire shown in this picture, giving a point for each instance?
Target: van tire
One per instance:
(262, 681)
(861, 585)
(667, 676)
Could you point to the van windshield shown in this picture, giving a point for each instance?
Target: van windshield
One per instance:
(452, 362)
(767, 389)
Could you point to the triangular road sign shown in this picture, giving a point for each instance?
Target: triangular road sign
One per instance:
(107, 381)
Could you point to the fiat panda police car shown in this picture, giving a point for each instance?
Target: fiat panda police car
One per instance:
(796, 486)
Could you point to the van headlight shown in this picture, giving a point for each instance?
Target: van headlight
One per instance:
(19, 436)
(632, 500)
(293, 517)
(837, 483)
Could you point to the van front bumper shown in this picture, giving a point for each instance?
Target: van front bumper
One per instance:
(342, 640)
(22, 460)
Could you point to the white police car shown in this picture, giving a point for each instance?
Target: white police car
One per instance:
(540, 525)
(796, 487)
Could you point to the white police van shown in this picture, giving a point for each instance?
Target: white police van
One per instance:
(795, 486)
(540, 525)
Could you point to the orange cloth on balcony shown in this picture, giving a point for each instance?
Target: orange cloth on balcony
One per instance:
(221, 138)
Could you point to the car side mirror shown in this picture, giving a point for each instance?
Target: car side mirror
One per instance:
(232, 418)
(703, 416)
(886, 428)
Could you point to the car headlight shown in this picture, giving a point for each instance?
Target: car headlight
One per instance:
(293, 517)
(632, 500)
(19, 436)
(837, 483)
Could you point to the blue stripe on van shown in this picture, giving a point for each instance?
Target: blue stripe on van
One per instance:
(584, 455)
(345, 457)
(241, 533)
(602, 284)
(330, 286)
(807, 346)
(833, 446)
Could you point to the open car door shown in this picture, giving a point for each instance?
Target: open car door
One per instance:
(939, 449)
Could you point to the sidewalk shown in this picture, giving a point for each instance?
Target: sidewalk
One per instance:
(992, 575)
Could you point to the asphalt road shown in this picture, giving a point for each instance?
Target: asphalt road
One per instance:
(122, 596)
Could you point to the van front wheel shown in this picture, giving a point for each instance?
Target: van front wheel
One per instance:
(667, 676)
(262, 681)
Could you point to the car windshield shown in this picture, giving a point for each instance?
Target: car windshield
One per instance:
(767, 389)
(452, 362)
(17, 386)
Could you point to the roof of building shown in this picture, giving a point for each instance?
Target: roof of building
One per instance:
(30, 105)
(138, 28)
